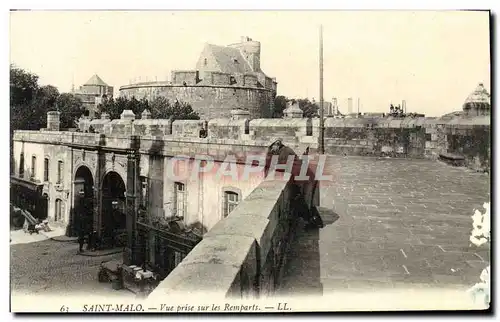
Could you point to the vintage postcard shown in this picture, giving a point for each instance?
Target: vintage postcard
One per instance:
(249, 161)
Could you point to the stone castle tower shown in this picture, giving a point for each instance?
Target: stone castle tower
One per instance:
(250, 50)
(225, 78)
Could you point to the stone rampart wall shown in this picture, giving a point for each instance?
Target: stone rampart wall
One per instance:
(244, 254)
(413, 138)
(210, 101)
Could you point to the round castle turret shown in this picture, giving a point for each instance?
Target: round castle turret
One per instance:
(250, 49)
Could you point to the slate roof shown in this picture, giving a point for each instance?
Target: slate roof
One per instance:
(96, 80)
(229, 59)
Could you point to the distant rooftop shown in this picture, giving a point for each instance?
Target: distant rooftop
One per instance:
(95, 80)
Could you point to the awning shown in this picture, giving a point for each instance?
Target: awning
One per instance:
(30, 185)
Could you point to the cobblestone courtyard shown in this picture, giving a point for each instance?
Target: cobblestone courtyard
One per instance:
(391, 223)
(53, 268)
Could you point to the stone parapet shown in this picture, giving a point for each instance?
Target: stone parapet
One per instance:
(394, 137)
(242, 255)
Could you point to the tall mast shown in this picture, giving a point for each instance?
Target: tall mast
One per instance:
(321, 111)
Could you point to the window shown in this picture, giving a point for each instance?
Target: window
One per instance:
(33, 167)
(231, 200)
(247, 126)
(21, 165)
(428, 137)
(205, 62)
(309, 127)
(46, 169)
(178, 258)
(180, 199)
(59, 210)
(60, 166)
(144, 191)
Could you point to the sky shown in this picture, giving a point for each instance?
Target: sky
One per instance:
(431, 59)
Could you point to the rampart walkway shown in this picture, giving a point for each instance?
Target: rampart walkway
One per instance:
(391, 223)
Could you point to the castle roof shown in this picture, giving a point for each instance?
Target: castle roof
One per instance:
(95, 80)
(229, 59)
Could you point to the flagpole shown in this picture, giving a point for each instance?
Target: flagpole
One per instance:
(321, 111)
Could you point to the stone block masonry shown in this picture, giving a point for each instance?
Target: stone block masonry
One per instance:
(210, 101)
(411, 138)
(244, 254)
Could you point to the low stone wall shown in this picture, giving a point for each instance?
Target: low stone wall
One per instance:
(472, 140)
(412, 138)
(245, 253)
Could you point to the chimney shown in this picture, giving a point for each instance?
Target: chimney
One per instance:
(293, 110)
(53, 121)
(403, 106)
(240, 114)
(127, 115)
(146, 115)
(349, 105)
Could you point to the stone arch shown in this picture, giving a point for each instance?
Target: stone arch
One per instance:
(113, 202)
(82, 212)
(86, 165)
(113, 167)
(84, 172)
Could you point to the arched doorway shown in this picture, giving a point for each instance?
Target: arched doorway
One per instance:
(114, 220)
(83, 205)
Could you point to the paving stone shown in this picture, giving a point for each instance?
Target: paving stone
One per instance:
(446, 280)
(484, 254)
(447, 257)
(369, 285)
(423, 251)
(50, 267)
(422, 207)
(480, 265)
(334, 283)
(413, 279)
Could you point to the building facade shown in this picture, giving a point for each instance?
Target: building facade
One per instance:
(127, 179)
(225, 78)
(92, 92)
